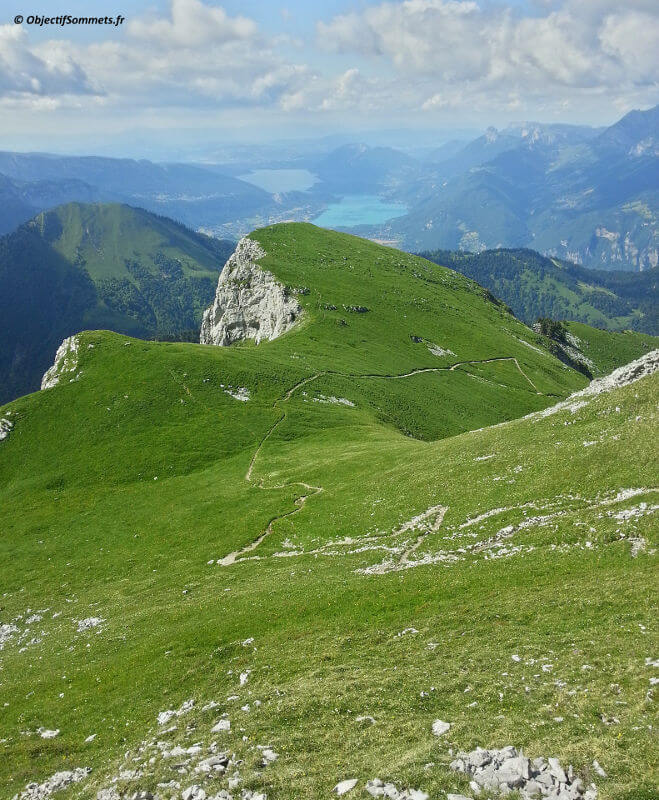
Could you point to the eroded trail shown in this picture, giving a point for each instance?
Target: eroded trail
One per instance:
(300, 501)
(433, 519)
(231, 558)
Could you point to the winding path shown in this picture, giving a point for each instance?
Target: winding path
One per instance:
(300, 501)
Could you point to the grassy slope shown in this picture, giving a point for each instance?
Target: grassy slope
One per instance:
(89, 531)
(105, 235)
(608, 350)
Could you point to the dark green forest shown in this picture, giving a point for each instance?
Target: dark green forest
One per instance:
(535, 286)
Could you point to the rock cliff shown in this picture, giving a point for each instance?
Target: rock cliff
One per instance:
(66, 361)
(250, 303)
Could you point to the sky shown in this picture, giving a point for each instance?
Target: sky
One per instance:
(177, 73)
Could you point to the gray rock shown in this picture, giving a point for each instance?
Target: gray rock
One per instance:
(415, 794)
(521, 765)
(375, 787)
(65, 363)
(110, 793)
(250, 303)
(56, 782)
(439, 727)
(510, 777)
(343, 787)
(193, 792)
(545, 779)
(6, 426)
(488, 777)
(556, 770)
(598, 769)
(479, 758)
(506, 770)
(217, 763)
(532, 788)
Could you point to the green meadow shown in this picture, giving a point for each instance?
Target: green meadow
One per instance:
(260, 556)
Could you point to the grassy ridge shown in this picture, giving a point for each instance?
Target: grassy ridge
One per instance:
(119, 488)
(104, 236)
(608, 350)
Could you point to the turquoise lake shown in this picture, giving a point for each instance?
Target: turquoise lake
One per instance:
(359, 209)
(281, 180)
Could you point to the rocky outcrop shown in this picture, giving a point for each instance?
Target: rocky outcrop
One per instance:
(56, 782)
(506, 770)
(646, 365)
(6, 427)
(250, 303)
(66, 362)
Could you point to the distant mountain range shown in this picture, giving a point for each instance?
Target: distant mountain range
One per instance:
(357, 168)
(98, 266)
(586, 195)
(198, 197)
(536, 286)
(579, 194)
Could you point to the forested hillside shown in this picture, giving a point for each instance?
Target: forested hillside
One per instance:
(98, 266)
(536, 286)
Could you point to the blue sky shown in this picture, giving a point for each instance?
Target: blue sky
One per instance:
(180, 71)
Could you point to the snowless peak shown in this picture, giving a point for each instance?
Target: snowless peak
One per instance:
(250, 303)
(491, 135)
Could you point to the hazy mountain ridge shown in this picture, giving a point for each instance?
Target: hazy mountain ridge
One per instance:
(581, 194)
(588, 198)
(190, 194)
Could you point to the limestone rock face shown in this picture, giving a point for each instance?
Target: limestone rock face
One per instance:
(647, 364)
(250, 303)
(66, 361)
(6, 427)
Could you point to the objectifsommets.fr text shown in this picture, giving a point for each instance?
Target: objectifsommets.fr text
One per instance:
(67, 19)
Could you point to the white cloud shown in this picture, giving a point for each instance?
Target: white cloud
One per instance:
(577, 46)
(632, 39)
(48, 70)
(192, 24)
(194, 56)
(452, 57)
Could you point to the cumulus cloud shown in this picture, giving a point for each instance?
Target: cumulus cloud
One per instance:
(397, 56)
(49, 70)
(192, 24)
(195, 55)
(575, 46)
